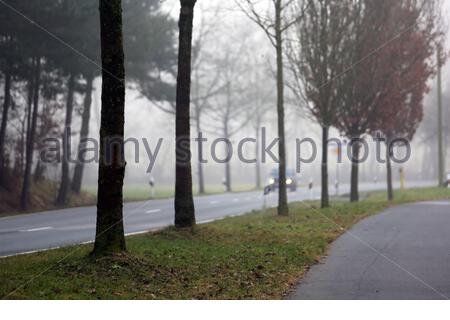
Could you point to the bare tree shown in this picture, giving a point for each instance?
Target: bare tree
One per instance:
(316, 57)
(228, 113)
(206, 84)
(273, 23)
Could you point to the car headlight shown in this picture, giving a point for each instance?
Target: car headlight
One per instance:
(289, 181)
(271, 181)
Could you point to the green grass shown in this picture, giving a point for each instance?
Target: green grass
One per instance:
(143, 192)
(257, 256)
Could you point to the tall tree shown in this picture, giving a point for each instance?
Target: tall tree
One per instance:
(367, 79)
(401, 111)
(274, 25)
(110, 236)
(316, 58)
(184, 202)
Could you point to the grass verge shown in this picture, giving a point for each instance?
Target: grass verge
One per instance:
(257, 256)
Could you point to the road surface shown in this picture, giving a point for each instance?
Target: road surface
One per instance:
(53, 229)
(403, 253)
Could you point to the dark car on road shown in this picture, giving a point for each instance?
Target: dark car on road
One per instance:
(291, 180)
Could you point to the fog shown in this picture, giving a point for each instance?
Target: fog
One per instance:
(231, 27)
(231, 32)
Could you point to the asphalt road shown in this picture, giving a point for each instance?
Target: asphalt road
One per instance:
(53, 229)
(403, 253)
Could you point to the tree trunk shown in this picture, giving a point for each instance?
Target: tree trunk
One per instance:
(110, 236)
(258, 163)
(84, 133)
(325, 201)
(440, 142)
(184, 202)
(65, 179)
(390, 189)
(354, 194)
(283, 208)
(227, 164)
(201, 176)
(6, 105)
(25, 195)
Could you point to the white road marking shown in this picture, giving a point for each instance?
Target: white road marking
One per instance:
(214, 202)
(29, 252)
(79, 227)
(153, 211)
(37, 229)
(437, 203)
(236, 200)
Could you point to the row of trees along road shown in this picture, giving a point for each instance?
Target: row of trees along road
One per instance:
(350, 70)
(362, 67)
(367, 26)
(49, 52)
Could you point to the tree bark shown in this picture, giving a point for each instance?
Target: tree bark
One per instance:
(390, 189)
(110, 236)
(6, 105)
(84, 133)
(65, 179)
(283, 208)
(184, 202)
(25, 195)
(354, 193)
(325, 201)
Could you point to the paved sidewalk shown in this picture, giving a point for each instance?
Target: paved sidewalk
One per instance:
(402, 253)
